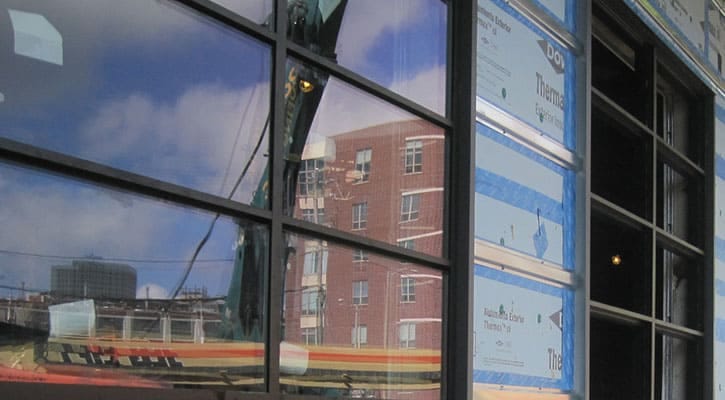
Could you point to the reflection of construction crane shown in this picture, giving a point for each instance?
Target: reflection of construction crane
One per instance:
(314, 24)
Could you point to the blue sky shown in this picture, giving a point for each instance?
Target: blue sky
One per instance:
(155, 92)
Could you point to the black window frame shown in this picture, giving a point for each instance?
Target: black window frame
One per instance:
(459, 119)
(620, 38)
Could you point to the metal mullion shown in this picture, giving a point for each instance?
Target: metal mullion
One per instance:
(679, 331)
(653, 361)
(586, 15)
(677, 160)
(308, 397)
(366, 85)
(620, 214)
(45, 391)
(708, 226)
(275, 286)
(356, 241)
(88, 171)
(231, 19)
(457, 374)
(649, 65)
(618, 114)
(617, 314)
(678, 245)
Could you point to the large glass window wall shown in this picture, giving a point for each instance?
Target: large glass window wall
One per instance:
(179, 181)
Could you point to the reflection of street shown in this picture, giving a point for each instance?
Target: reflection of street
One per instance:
(181, 341)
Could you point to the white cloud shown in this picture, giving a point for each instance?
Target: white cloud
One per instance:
(366, 21)
(427, 87)
(151, 291)
(191, 140)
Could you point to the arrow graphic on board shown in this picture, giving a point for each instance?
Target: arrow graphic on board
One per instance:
(557, 319)
(541, 241)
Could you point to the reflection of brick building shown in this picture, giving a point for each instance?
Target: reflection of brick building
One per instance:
(385, 183)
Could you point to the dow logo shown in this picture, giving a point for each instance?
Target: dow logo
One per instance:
(556, 59)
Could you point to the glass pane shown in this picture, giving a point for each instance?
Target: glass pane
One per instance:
(359, 179)
(382, 41)
(375, 332)
(621, 264)
(621, 166)
(148, 87)
(680, 290)
(678, 361)
(619, 361)
(676, 196)
(259, 11)
(101, 287)
(619, 68)
(678, 117)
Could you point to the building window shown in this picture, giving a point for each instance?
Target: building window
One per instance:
(311, 177)
(407, 335)
(316, 215)
(309, 301)
(359, 216)
(359, 255)
(359, 336)
(409, 207)
(360, 292)
(309, 336)
(407, 289)
(362, 165)
(647, 196)
(413, 156)
(314, 260)
(407, 244)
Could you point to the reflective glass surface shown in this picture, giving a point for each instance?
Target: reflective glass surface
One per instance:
(369, 329)
(101, 287)
(142, 86)
(678, 377)
(399, 44)
(676, 195)
(680, 297)
(359, 180)
(259, 11)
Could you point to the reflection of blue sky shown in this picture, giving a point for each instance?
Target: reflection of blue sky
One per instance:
(169, 105)
(161, 93)
(54, 219)
(395, 43)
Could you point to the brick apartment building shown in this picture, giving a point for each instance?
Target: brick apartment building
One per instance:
(385, 183)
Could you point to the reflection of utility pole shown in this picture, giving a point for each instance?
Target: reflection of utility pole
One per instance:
(385, 309)
(356, 321)
(357, 325)
(318, 257)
